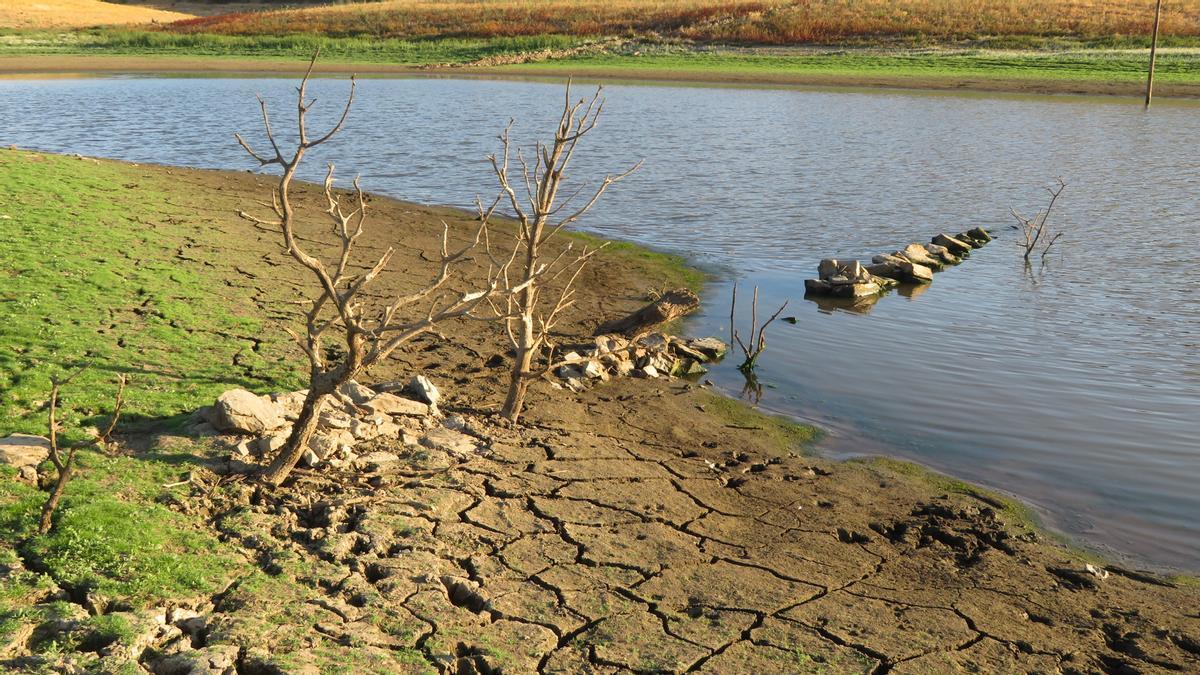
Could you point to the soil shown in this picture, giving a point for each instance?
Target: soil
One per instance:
(643, 525)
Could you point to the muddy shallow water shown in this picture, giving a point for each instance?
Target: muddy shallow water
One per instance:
(1074, 384)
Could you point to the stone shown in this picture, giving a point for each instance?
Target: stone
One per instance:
(943, 254)
(448, 440)
(967, 238)
(210, 660)
(900, 269)
(23, 451)
(391, 404)
(423, 389)
(827, 268)
(240, 411)
(841, 290)
(364, 430)
(310, 459)
(326, 445)
(956, 246)
(980, 234)
(606, 344)
(267, 445)
(242, 449)
(623, 367)
(356, 392)
(595, 371)
(647, 371)
(918, 254)
(713, 348)
(688, 367)
(334, 419)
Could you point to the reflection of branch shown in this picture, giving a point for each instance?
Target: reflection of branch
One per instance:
(66, 466)
(758, 334)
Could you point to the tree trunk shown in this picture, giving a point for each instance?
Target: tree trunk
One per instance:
(522, 365)
(52, 502)
(302, 431)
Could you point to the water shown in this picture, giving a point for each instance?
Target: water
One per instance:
(1074, 384)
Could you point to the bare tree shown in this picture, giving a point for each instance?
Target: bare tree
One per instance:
(541, 214)
(369, 335)
(752, 348)
(1036, 230)
(66, 465)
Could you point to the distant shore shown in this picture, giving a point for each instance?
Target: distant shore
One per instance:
(629, 69)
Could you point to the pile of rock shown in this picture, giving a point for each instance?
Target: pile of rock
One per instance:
(915, 264)
(24, 453)
(355, 416)
(652, 355)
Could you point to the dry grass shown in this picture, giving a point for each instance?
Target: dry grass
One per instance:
(78, 14)
(732, 21)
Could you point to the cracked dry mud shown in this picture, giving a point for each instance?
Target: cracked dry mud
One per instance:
(633, 527)
(619, 543)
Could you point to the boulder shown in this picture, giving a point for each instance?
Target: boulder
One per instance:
(391, 404)
(240, 411)
(900, 269)
(980, 234)
(291, 402)
(688, 367)
(24, 453)
(606, 344)
(956, 246)
(326, 445)
(267, 445)
(595, 371)
(647, 371)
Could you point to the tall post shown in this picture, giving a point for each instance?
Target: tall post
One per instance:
(1153, 52)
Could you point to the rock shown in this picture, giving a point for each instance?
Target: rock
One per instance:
(980, 234)
(291, 402)
(827, 268)
(900, 269)
(364, 430)
(327, 445)
(595, 371)
(267, 445)
(647, 371)
(713, 348)
(606, 344)
(884, 283)
(919, 255)
(448, 440)
(967, 238)
(841, 290)
(455, 422)
(391, 404)
(335, 419)
(956, 246)
(688, 367)
(24, 452)
(310, 459)
(668, 307)
(663, 362)
(623, 367)
(423, 389)
(572, 375)
(943, 254)
(242, 449)
(356, 392)
(240, 411)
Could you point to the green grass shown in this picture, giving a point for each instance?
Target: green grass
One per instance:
(674, 270)
(342, 49)
(91, 275)
(1108, 66)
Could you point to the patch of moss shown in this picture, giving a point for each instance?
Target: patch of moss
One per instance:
(782, 432)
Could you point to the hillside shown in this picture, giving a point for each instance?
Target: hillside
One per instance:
(774, 22)
(26, 14)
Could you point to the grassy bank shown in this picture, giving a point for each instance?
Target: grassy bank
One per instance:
(1070, 67)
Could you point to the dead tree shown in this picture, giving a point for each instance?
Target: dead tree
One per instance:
(66, 465)
(368, 336)
(541, 214)
(1036, 230)
(757, 343)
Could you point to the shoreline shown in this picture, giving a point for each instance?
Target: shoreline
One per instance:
(650, 524)
(26, 66)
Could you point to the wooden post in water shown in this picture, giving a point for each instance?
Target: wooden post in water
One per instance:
(1153, 52)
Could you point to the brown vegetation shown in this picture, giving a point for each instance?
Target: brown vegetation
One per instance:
(78, 14)
(734, 21)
